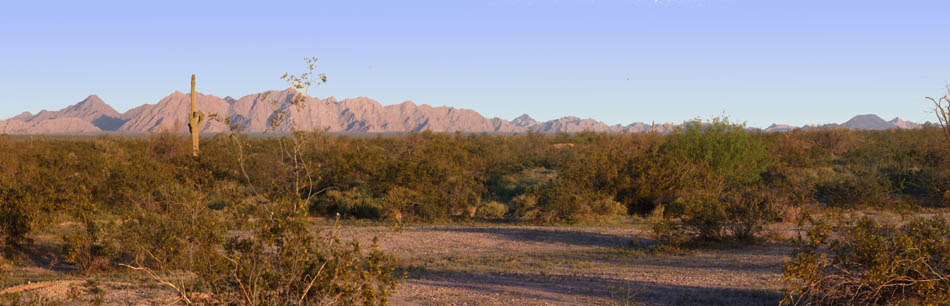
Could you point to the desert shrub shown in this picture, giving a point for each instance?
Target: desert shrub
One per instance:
(87, 248)
(749, 213)
(564, 202)
(924, 185)
(459, 195)
(604, 205)
(166, 145)
(701, 156)
(16, 222)
(834, 142)
(795, 149)
(492, 210)
(349, 204)
(847, 189)
(665, 233)
(658, 178)
(402, 202)
(187, 247)
(715, 217)
(866, 262)
(727, 148)
(528, 180)
(525, 206)
(173, 240)
(702, 215)
(283, 263)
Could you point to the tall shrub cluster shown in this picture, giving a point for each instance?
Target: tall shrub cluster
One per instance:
(716, 191)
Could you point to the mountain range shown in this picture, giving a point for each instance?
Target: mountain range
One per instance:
(859, 122)
(255, 113)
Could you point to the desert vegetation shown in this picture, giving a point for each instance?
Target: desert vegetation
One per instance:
(256, 220)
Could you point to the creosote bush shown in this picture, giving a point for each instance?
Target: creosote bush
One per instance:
(349, 204)
(711, 217)
(492, 210)
(283, 263)
(715, 191)
(867, 262)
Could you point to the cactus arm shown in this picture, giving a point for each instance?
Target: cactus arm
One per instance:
(195, 121)
(201, 119)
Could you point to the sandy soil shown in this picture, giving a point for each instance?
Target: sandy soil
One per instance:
(510, 265)
(500, 265)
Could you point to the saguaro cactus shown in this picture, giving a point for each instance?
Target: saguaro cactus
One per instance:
(196, 120)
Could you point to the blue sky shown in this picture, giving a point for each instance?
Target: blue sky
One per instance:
(760, 61)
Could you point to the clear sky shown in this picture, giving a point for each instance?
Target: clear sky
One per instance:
(761, 61)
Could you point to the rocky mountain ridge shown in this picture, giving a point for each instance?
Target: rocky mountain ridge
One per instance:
(256, 113)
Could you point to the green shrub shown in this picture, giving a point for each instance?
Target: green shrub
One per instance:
(528, 180)
(87, 249)
(702, 215)
(182, 234)
(605, 206)
(709, 157)
(492, 210)
(219, 205)
(748, 214)
(16, 222)
(401, 202)
(796, 186)
(846, 189)
(278, 262)
(739, 156)
(866, 262)
(925, 185)
(349, 204)
(565, 202)
(525, 206)
(283, 263)
(713, 217)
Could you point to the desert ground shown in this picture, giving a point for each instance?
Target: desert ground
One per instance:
(492, 264)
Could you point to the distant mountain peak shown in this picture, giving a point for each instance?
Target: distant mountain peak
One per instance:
(898, 122)
(93, 99)
(867, 122)
(775, 127)
(867, 117)
(23, 116)
(524, 121)
(90, 105)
